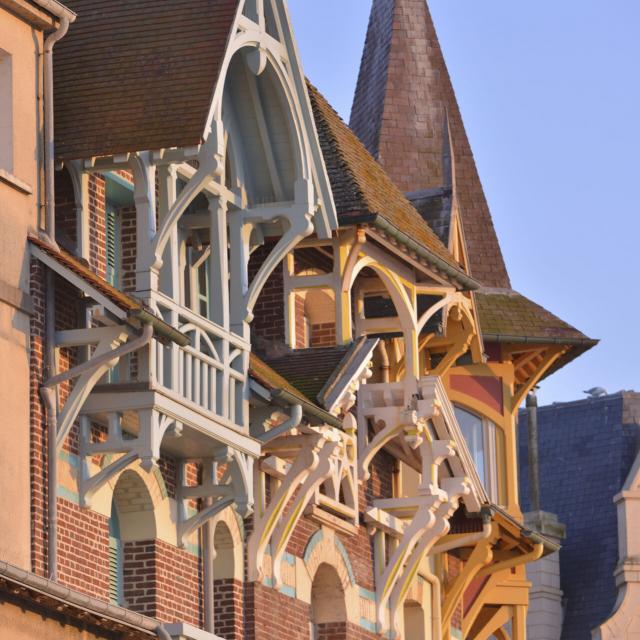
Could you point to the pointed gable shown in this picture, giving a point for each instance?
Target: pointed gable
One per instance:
(403, 109)
(137, 76)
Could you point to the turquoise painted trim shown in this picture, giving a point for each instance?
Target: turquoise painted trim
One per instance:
(118, 180)
(368, 625)
(288, 591)
(345, 557)
(285, 589)
(69, 458)
(193, 549)
(457, 634)
(67, 494)
(316, 538)
(289, 559)
(367, 595)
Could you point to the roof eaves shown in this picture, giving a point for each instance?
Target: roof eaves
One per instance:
(350, 365)
(281, 389)
(462, 279)
(124, 306)
(523, 339)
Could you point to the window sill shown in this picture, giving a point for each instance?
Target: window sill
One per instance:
(14, 182)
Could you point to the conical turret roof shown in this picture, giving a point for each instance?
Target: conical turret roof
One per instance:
(406, 114)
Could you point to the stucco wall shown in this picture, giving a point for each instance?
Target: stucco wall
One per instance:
(21, 624)
(19, 211)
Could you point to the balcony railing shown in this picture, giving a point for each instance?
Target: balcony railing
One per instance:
(210, 373)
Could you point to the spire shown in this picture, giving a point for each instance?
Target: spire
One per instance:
(406, 114)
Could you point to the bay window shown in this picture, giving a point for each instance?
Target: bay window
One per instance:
(486, 444)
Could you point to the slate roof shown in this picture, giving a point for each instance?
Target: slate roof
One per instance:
(260, 371)
(137, 75)
(403, 109)
(586, 450)
(308, 370)
(360, 185)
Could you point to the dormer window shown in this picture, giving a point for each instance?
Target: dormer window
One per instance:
(487, 447)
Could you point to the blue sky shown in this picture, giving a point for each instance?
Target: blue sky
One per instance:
(550, 95)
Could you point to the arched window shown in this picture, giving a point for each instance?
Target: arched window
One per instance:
(132, 533)
(227, 590)
(414, 621)
(328, 607)
(487, 447)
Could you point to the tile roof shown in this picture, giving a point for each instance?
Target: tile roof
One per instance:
(403, 108)
(124, 301)
(361, 186)
(308, 370)
(130, 305)
(260, 371)
(507, 314)
(137, 75)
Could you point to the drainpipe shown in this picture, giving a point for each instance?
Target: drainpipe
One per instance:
(465, 541)
(384, 360)
(292, 422)
(66, 17)
(534, 471)
(436, 603)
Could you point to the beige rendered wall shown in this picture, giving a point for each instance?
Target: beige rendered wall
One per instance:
(22, 624)
(18, 216)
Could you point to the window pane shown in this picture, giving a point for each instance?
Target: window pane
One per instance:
(471, 427)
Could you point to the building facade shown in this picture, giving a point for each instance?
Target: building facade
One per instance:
(271, 364)
(592, 488)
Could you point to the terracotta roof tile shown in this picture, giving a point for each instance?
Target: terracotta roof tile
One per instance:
(361, 186)
(123, 300)
(137, 74)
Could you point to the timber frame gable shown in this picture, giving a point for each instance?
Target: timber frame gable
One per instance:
(205, 207)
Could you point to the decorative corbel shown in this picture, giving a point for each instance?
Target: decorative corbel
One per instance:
(146, 448)
(315, 455)
(235, 486)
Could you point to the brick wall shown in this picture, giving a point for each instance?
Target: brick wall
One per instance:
(139, 576)
(128, 246)
(97, 228)
(271, 614)
(323, 335)
(178, 580)
(83, 549)
(163, 581)
(268, 322)
(228, 600)
(38, 429)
